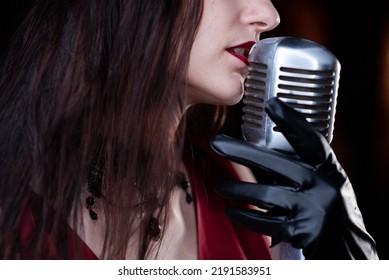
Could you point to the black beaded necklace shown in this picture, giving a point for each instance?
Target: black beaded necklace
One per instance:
(94, 187)
(182, 182)
(95, 180)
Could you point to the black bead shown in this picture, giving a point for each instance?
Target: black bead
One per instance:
(189, 198)
(93, 215)
(154, 229)
(90, 200)
(184, 184)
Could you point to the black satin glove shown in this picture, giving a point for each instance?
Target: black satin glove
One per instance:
(310, 203)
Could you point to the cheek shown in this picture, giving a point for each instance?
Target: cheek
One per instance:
(213, 83)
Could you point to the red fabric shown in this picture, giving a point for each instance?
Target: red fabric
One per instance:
(218, 237)
(76, 248)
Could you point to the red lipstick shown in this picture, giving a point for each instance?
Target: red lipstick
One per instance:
(241, 51)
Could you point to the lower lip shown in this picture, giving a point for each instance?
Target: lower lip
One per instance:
(240, 57)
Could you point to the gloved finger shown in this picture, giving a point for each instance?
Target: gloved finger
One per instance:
(263, 196)
(259, 222)
(309, 144)
(255, 156)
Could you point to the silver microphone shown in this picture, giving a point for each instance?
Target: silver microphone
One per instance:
(303, 74)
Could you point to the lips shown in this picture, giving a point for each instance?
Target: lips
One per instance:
(241, 51)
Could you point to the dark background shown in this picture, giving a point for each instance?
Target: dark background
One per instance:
(359, 36)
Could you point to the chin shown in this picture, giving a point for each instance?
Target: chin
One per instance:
(233, 99)
(236, 95)
(221, 96)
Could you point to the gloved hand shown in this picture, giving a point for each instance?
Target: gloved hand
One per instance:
(310, 203)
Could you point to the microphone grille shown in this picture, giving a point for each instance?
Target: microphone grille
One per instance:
(301, 73)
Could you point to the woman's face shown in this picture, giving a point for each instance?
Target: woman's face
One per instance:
(218, 59)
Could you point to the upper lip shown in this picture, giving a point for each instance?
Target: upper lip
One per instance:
(242, 49)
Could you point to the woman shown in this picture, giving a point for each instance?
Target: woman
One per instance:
(98, 90)
(104, 143)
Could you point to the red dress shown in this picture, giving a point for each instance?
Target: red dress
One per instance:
(218, 237)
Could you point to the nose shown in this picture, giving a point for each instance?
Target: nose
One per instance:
(260, 15)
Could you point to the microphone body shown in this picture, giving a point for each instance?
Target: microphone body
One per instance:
(303, 74)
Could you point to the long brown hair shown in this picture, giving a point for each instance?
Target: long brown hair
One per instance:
(87, 81)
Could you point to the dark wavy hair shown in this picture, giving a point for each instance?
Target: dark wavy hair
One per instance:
(84, 82)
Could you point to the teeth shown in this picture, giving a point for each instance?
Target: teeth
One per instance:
(241, 51)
